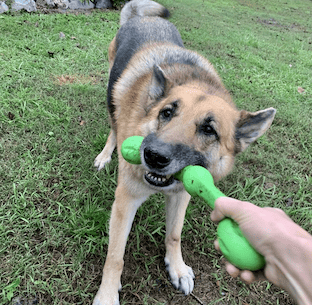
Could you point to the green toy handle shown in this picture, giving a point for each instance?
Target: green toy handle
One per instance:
(198, 182)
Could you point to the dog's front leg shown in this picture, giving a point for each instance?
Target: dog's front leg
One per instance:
(106, 155)
(123, 212)
(182, 276)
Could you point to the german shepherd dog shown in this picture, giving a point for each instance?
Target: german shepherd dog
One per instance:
(174, 98)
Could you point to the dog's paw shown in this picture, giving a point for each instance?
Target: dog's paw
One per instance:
(181, 275)
(106, 299)
(107, 295)
(101, 160)
(104, 302)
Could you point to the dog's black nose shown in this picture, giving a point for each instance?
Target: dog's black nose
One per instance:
(155, 159)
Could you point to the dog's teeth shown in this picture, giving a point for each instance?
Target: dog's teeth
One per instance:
(156, 178)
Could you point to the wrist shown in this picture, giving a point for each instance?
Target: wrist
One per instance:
(292, 259)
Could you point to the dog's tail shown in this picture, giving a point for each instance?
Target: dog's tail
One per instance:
(142, 8)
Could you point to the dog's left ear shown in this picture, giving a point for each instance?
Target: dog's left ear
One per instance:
(251, 126)
(159, 84)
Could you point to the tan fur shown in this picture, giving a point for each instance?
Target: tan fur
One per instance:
(111, 53)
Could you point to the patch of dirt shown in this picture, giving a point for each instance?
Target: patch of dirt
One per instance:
(274, 23)
(211, 282)
(77, 79)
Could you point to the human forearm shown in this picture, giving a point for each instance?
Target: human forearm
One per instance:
(292, 258)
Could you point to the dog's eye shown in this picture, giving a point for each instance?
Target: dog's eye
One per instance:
(208, 130)
(167, 113)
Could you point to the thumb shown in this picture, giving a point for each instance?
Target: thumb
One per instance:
(226, 207)
(216, 215)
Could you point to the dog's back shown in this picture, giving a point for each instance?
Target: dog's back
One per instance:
(141, 23)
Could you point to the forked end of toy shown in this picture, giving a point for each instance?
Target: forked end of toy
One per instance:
(130, 149)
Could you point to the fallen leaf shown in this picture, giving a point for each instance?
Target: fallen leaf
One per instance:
(82, 123)
(11, 116)
(300, 90)
(289, 202)
(62, 35)
(51, 54)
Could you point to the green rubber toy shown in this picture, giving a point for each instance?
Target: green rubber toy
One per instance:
(199, 182)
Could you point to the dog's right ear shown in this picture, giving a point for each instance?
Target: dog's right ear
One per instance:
(159, 84)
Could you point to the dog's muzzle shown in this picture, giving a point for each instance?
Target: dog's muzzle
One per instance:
(155, 158)
(162, 160)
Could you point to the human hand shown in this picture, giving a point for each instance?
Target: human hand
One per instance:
(264, 228)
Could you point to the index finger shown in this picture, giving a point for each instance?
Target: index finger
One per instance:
(229, 207)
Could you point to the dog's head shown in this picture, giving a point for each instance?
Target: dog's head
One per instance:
(187, 126)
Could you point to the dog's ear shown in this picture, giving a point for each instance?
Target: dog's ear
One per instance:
(251, 126)
(159, 84)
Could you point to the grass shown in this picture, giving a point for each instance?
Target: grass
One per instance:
(54, 206)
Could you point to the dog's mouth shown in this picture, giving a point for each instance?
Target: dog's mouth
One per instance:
(159, 180)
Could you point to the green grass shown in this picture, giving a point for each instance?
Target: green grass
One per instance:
(54, 206)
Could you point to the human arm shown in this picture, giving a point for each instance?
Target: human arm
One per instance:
(287, 248)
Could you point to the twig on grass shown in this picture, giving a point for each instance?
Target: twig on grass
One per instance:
(197, 298)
